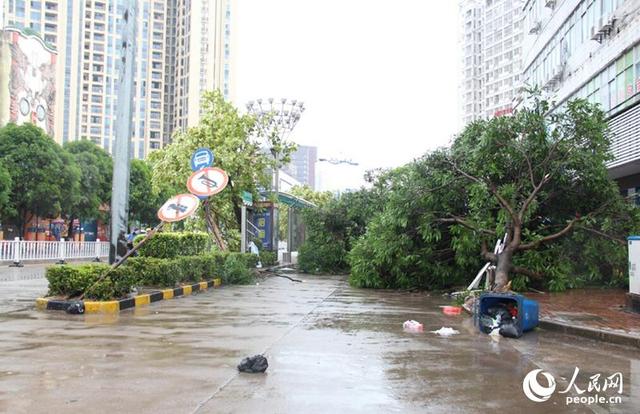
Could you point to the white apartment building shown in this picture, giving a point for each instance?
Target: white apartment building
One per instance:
(471, 87)
(591, 49)
(183, 49)
(492, 35)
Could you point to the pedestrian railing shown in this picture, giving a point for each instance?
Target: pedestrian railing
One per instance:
(18, 251)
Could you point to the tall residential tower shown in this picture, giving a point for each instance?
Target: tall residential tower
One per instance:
(491, 43)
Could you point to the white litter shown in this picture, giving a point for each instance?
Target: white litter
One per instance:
(413, 326)
(446, 331)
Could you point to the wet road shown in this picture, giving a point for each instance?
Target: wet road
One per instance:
(331, 349)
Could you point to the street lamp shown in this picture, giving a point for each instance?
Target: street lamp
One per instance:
(275, 121)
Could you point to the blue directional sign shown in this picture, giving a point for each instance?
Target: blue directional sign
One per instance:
(201, 158)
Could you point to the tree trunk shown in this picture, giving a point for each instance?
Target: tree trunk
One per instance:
(503, 267)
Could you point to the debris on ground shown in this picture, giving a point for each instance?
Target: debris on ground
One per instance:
(76, 308)
(446, 331)
(451, 310)
(254, 364)
(413, 326)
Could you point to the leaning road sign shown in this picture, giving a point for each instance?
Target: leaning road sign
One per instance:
(178, 207)
(207, 182)
(201, 158)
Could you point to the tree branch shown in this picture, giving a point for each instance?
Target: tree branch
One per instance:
(605, 235)
(535, 244)
(491, 187)
(532, 196)
(464, 223)
(486, 254)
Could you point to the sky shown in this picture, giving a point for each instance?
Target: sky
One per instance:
(379, 78)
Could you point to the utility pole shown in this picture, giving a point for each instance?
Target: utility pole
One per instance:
(122, 147)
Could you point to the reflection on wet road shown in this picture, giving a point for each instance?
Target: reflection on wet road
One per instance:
(331, 348)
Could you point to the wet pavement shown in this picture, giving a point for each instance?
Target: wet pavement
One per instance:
(602, 309)
(331, 348)
(20, 285)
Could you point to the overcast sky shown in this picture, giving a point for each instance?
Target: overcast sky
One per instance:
(379, 78)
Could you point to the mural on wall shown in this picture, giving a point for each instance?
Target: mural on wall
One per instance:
(32, 79)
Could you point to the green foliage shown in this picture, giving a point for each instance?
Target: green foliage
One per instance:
(148, 272)
(73, 280)
(333, 228)
(144, 199)
(405, 246)
(235, 271)
(268, 258)
(96, 169)
(5, 187)
(167, 245)
(44, 177)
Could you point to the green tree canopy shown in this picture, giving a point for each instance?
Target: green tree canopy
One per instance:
(5, 188)
(144, 200)
(44, 177)
(96, 170)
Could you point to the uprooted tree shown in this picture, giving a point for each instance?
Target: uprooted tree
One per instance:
(539, 178)
(535, 178)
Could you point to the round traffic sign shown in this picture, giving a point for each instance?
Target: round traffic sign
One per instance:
(201, 158)
(178, 207)
(207, 182)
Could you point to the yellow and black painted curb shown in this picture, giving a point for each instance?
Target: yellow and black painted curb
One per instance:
(115, 306)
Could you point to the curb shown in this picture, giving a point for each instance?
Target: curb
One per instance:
(591, 333)
(115, 306)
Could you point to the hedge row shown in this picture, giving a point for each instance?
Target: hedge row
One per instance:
(170, 245)
(70, 281)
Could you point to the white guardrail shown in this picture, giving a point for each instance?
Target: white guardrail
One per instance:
(18, 251)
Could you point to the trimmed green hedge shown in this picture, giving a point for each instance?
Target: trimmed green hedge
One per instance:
(170, 245)
(233, 268)
(268, 258)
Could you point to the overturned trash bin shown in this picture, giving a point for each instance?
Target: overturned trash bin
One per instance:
(511, 313)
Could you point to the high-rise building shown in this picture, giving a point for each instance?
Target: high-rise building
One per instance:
(182, 49)
(303, 165)
(471, 87)
(591, 49)
(199, 36)
(491, 44)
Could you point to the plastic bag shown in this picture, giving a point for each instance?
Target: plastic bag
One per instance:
(413, 326)
(446, 331)
(254, 364)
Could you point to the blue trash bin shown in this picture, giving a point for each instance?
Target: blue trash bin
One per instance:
(528, 309)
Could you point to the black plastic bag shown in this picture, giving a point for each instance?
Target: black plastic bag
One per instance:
(510, 330)
(254, 364)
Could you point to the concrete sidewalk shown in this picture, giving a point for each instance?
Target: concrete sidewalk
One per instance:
(594, 313)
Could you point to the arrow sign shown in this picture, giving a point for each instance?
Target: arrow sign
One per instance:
(207, 182)
(178, 207)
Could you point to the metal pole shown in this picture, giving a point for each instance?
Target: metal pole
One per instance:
(275, 205)
(243, 229)
(122, 147)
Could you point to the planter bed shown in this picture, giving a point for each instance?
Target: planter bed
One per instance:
(114, 306)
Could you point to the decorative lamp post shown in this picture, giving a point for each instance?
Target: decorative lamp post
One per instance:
(275, 121)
